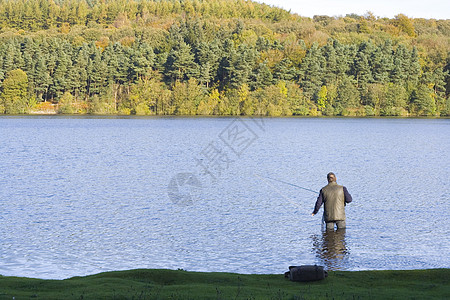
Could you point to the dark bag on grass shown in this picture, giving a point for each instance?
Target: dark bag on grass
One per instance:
(306, 273)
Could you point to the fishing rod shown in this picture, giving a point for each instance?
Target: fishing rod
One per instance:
(315, 192)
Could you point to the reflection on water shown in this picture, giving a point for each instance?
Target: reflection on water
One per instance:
(80, 196)
(330, 249)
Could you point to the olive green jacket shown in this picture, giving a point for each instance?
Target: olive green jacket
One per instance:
(334, 202)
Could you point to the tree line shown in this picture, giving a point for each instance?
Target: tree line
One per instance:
(217, 58)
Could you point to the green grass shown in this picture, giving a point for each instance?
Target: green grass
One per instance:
(170, 284)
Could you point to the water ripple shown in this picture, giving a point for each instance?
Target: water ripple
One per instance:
(81, 196)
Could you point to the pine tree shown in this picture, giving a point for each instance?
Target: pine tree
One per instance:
(331, 71)
(284, 70)
(225, 63)
(60, 75)
(413, 67)
(41, 78)
(192, 32)
(207, 57)
(401, 60)
(362, 66)
(438, 81)
(78, 76)
(180, 65)
(97, 73)
(311, 70)
(117, 59)
(382, 63)
(118, 63)
(28, 48)
(344, 58)
(141, 61)
(262, 44)
(261, 77)
(12, 58)
(240, 66)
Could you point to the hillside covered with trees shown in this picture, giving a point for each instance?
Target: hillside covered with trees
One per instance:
(217, 57)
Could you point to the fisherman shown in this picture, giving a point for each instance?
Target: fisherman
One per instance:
(334, 197)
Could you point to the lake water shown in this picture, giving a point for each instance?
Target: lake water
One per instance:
(85, 195)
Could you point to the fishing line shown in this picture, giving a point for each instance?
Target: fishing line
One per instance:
(281, 194)
(278, 191)
(315, 192)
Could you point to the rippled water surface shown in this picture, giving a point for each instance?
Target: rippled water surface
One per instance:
(85, 195)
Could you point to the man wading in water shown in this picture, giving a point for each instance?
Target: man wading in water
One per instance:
(334, 197)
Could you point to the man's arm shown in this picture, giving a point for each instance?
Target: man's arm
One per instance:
(348, 197)
(318, 203)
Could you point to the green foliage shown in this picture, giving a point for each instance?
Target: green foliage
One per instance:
(99, 106)
(14, 92)
(66, 104)
(148, 97)
(405, 25)
(322, 97)
(311, 71)
(186, 97)
(394, 100)
(194, 57)
(180, 65)
(347, 96)
(209, 106)
(246, 102)
(373, 95)
(446, 110)
(369, 111)
(422, 101)
(278, 103)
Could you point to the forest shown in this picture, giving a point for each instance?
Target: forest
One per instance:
(217, 57)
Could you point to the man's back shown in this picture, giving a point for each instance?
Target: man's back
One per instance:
(334, 200)
(334, 197)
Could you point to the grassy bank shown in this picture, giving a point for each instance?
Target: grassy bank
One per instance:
(169, 284)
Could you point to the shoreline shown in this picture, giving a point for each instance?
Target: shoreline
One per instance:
(121, 116)
(180, 284)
